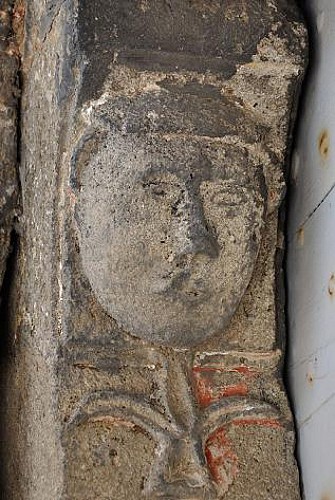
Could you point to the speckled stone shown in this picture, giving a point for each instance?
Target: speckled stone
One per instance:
(9, 94)
(148, 340)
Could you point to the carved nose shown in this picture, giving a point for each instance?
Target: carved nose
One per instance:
(195, 235)
(201, 240)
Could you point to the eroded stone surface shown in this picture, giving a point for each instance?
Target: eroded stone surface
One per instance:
(177, 175)
(9, 93)
(152, 311)
(169, 231)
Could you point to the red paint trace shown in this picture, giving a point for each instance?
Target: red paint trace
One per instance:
(221, 459)
(207, 392)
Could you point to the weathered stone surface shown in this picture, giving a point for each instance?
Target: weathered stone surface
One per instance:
(170, 227)
(147, 344)
(9, 93)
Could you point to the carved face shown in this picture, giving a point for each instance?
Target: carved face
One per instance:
(169, 231)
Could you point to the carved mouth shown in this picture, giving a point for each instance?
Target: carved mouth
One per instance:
(183, 285)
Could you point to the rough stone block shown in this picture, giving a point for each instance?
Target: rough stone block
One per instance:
(148, 336)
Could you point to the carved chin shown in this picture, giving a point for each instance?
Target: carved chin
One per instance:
(182, 318)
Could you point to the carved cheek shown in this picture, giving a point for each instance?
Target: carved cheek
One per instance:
(140, 246)
(223, 210)
(234, 217)
(163, 204)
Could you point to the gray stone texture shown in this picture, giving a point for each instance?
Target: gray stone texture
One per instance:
(147, 340)
(9, 94)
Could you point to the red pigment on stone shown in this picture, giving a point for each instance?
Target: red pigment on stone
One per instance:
(233, 390)
(206, 392)
(203, 391)
(222, 461)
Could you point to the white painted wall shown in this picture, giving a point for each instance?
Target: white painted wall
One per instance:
(311, 265)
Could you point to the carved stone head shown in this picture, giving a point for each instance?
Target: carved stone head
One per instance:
(171, 194)
(170, 220)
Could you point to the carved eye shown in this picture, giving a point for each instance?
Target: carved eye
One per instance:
(162, 187)
(223, 195)
(157, 188)
(220, 197)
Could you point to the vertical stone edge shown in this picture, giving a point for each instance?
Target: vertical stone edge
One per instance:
(32, 465)
(11, 21)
